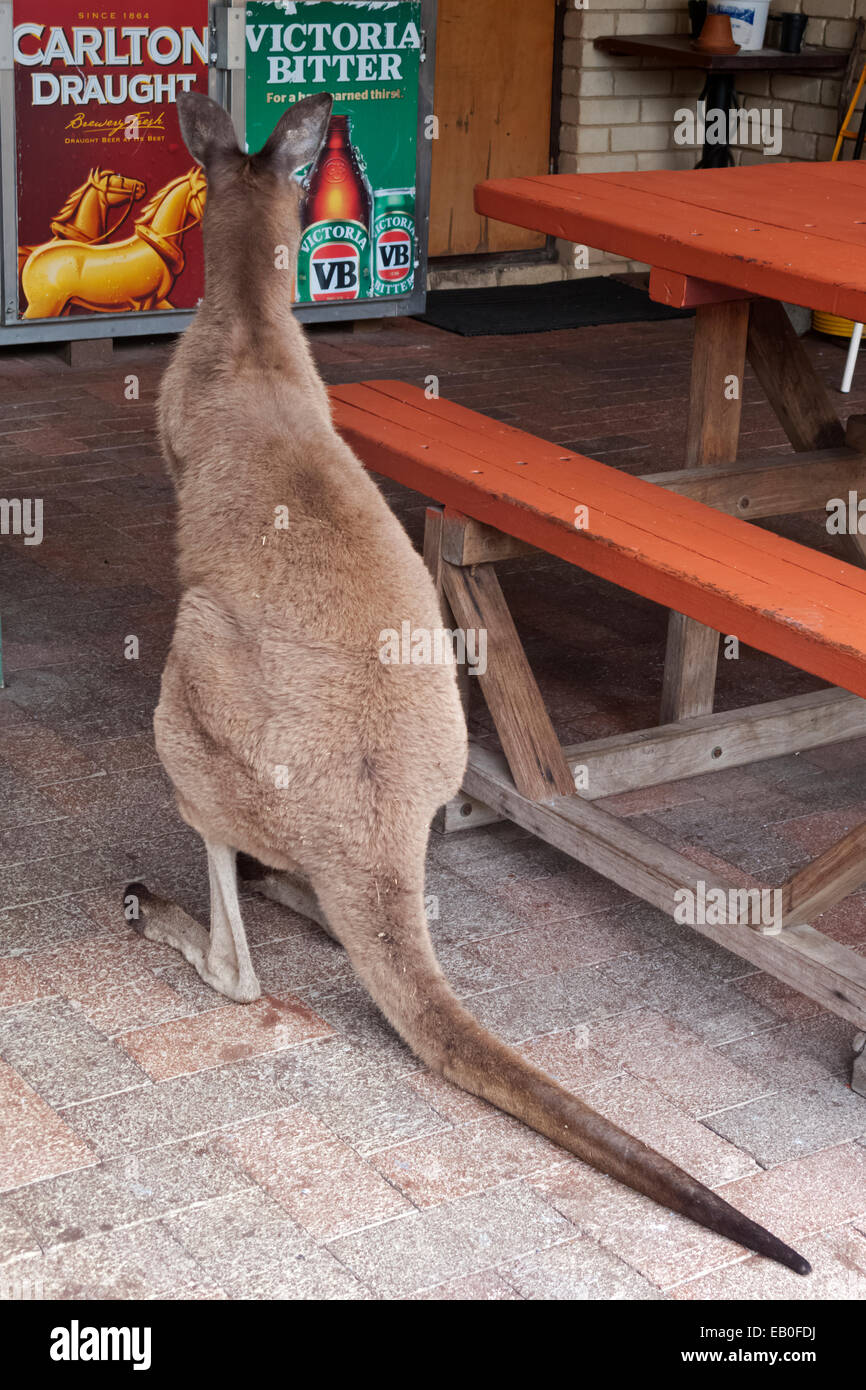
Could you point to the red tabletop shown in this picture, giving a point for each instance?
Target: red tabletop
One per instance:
(795, 232)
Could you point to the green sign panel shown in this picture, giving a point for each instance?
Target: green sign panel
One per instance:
(358, 213)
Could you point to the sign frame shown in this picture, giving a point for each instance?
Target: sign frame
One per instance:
(227, 85)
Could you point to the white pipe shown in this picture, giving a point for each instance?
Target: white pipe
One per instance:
(851, 360)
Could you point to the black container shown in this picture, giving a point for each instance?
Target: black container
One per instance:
(697, 15)
(792, 31)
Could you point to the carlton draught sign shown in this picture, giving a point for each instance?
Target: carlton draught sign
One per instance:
(358, 214)
(109, 201)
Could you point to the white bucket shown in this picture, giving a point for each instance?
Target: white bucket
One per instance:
(748, 19)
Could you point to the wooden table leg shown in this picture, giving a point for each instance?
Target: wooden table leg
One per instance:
(528, 739)
(718, 364)
(827, 879)
(434, 523)
(797, 394)
(795, 391)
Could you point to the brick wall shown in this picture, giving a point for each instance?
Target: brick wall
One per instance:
(619, 113)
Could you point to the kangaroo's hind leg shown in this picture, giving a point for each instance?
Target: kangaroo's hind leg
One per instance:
(221, 956)
(292, 890)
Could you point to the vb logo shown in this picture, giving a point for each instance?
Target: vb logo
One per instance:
(394, 255)
(335, 271)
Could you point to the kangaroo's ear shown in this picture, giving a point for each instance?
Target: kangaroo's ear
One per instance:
(206, 127)
(297, 137)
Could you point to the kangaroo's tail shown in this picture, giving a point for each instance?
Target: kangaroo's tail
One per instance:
(385, 934)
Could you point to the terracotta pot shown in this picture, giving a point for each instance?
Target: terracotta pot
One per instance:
(716, 35)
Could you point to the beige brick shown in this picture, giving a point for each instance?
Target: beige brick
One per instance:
(824, 147)
(598, 82)
(820, 119)
(613, 111)
(831, 9)
(799, 145)
(571, 81)
(600, 262)
(607, 163)
(665, 23)
(588, 55)
(753, 84)
(569, 111)
(567, 164)
(593, 26)
(830, 90)
(839, 33)
(796, 88)
(660, 110)
(815, 32)
(572, 53)
(661, 159)
(642, 137)
(643, 83)
(594, 139)
(542, 274)
(747, 158)
(572, 25)
(686, 83)
(568, 139)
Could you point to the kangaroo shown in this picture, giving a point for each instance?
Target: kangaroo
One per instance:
(274, 669)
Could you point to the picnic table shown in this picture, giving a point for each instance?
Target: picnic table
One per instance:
(734, 244)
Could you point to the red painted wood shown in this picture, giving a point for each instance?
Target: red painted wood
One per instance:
(798, 604)
(687, 292)
(794, 232)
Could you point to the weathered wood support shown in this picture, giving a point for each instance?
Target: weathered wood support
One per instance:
(712, 432)
(533, 751)
(775, 487)
(826, 971)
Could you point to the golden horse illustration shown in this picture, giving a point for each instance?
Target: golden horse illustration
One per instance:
(137, 273)
(84, 215)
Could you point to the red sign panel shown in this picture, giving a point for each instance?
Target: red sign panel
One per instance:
(109, 200)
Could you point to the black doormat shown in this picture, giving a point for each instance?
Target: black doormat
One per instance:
(538, 308)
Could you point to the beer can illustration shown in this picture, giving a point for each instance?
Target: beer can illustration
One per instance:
(334, 255)
(393, 240)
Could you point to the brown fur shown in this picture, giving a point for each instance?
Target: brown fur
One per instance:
(275, 663)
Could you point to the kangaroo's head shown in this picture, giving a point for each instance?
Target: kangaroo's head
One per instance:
(253, 201)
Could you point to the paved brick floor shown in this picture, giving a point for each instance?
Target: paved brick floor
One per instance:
(164, 1144)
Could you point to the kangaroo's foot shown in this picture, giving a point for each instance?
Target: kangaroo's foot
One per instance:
(220, 956)
(292, 890)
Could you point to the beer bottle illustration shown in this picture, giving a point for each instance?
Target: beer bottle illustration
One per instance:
(393, 240)
(334, 256)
